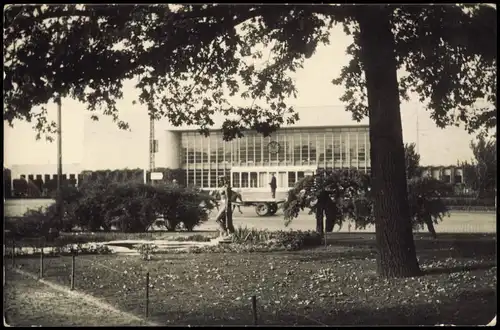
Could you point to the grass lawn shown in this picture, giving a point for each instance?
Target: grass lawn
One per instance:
(334, 285)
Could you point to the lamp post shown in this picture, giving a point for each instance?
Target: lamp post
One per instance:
(59, 162)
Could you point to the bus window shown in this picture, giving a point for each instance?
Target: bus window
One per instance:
(282, 180)
(291, 179)
(262, 180)
(253, 179)
(244, 180)
(236, 179)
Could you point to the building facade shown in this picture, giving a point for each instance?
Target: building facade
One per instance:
(289, 154)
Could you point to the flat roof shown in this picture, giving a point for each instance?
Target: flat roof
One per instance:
(185, 130)
(310, 117)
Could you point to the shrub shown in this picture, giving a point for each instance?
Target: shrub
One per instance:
(345, 194)
(296, 240)
(335, 191)
(132, 206)
(289, 240)
(250, 236)
(426, 206)
(66, 250)
(146, 250)
(34, 223)
(181, 206)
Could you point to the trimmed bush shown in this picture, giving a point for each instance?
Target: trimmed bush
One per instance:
(134, 206)
(286, 240)
(34, 223)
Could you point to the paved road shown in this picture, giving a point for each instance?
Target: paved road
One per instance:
(458, 222)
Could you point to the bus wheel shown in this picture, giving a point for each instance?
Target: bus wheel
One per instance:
(262, 209)
(273, 208)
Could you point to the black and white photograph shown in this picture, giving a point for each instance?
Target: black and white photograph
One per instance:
(253, 164)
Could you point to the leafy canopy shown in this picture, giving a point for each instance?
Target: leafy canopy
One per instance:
(188, 61)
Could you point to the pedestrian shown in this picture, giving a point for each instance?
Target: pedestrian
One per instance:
(273, 186)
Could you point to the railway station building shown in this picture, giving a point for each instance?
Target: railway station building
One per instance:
(290, 154)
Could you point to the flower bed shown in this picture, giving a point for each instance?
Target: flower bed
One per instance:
(69, 249)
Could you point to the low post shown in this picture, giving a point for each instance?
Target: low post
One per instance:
(72, 272)
(254, 309)
(41, 262)
(13, 252)
(147, 294)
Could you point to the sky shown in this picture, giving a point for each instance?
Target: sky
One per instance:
(101, 145)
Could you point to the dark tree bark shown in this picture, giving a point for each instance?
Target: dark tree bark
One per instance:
(229, 210)
(319, 218)
(430, 226)
(330, 215)
(396, 248)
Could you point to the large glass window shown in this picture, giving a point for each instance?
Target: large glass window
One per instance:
(205, 178)
(228, 153)
(258, 149)
(313, 147)
(343, 149)
(243, 150)
(213, 178)
(236, 180)
(190, 177)
(281, 153)
(336, 147)
(353, 151)
(266, 155)
(197, 178)
(205, 144)
(361, 147)
(213, 149)
(305, 152)
(251, 149)
(190, 150)
(297, 149)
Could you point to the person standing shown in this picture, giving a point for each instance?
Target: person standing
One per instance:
(273, 186)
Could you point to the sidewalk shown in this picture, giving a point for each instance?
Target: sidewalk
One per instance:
(28, 302)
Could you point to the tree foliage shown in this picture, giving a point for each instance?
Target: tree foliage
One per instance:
(335, 191)
(412, 161)
(480, 174)
(187, 61)
(349, 192)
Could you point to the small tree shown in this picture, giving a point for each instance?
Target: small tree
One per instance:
(412, 161)
(481, 174)
(328, 194)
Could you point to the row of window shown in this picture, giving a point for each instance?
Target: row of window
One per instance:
(292, 148)
(48, 177)
(209, 178)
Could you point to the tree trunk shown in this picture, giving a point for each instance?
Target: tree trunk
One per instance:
(319, 218)
(430, 225)
(394, 237)
(229, 210)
